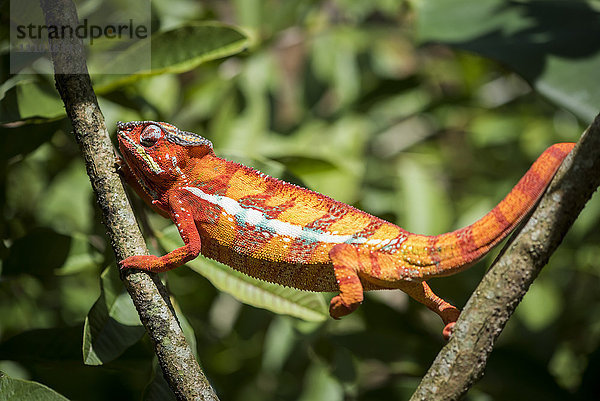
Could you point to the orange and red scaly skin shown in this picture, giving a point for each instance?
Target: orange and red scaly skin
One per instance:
(285, 234)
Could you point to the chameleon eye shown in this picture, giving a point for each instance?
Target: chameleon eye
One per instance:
(150, 135)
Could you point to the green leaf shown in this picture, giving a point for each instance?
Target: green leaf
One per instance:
(25, 390)
(162, 92)
(82, 256)
(44, 345)
(321, 175)
(541, 305)
(279, 343)
(301, 165)
(158, 389)
(24, 139)
(186, 327)
(30, 100)
(320, 385)
(335, 60)
(24, 254)
(266, 165)
(64, 254)
(66, 206)
(112, 325)
(567, 367)
(552, 44)
(289, 301)
(424, 203)
(175, 51)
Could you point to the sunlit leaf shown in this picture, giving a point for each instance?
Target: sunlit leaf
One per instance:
(540, 306)
(175, 51)
(162, 92)
(425, 209)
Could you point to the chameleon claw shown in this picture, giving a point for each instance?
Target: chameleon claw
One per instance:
(447, 332)
(119, 164)
(338, 308)
(141, 262)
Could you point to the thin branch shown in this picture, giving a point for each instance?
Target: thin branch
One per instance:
(176, 359)
(462, 361)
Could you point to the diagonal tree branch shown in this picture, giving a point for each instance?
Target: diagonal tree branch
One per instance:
(180, 369)
(462, 361)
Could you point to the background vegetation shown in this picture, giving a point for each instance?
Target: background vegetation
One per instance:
(423, 113)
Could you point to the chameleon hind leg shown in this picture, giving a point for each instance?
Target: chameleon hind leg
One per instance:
(346, 265)
(421, 292)
(349, 262)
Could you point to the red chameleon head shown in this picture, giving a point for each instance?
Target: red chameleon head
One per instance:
(158, 153)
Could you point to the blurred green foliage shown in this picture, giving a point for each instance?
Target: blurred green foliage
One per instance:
(351, 99)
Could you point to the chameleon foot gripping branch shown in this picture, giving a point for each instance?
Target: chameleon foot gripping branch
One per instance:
(285, 234)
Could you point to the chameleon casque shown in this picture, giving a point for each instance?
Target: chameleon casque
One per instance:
(285, 234)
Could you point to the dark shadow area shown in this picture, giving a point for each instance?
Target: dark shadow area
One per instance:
(568, 29)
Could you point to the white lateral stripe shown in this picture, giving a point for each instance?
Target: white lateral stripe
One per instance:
(284, 228)
(259, 219)
(253, 217)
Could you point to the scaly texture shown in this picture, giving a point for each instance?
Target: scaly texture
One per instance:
(281, 233)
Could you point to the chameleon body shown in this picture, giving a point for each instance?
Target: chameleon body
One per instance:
(285, 234)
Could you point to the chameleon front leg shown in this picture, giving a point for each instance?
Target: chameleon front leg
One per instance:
(184, 220)
(421, 292)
